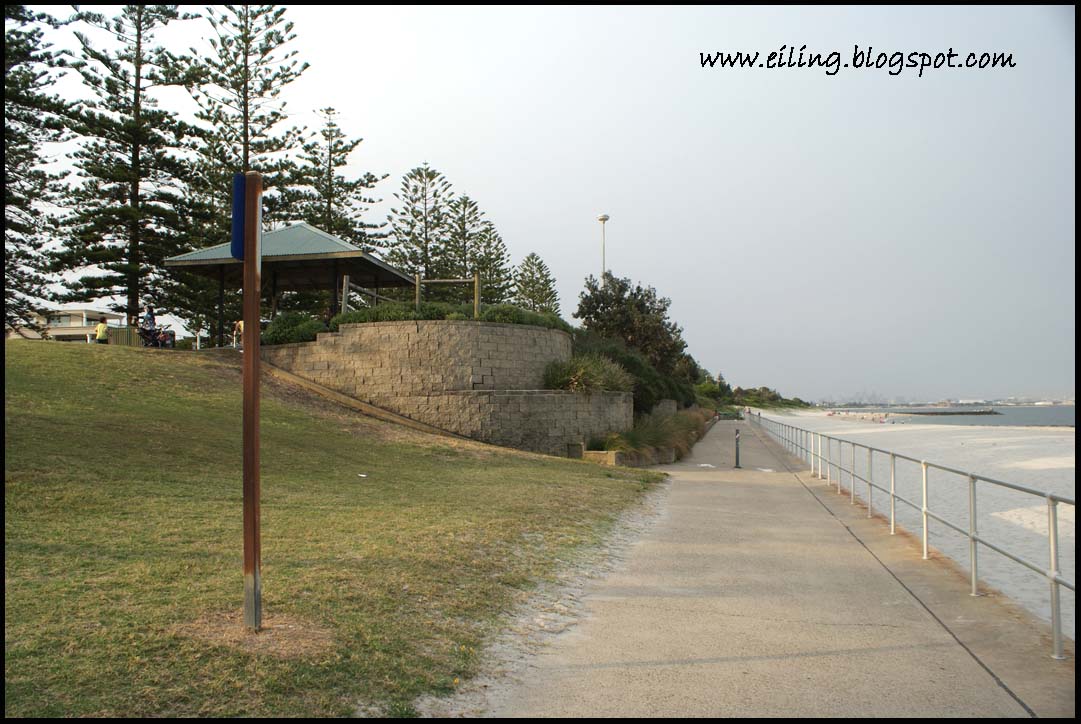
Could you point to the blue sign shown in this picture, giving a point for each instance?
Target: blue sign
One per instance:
(239, 202)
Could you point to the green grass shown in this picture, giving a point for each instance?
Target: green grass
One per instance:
(123, 520)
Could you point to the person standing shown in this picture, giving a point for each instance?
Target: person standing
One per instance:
(101, 332)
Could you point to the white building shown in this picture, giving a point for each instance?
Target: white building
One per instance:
(71, 324)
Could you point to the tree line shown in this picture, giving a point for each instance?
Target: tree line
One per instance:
(146, 184)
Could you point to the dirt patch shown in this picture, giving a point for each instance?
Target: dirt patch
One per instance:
(282, 636)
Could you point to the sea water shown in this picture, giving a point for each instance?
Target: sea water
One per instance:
(1037, 457)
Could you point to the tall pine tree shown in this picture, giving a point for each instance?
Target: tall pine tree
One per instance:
(32, 117)
(464, 228)
(125, 220)
(419, 225)
(240, 109)
(492, 262)
(327, 199)
(534, 287)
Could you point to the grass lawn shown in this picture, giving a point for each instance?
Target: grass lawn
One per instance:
(122, 567)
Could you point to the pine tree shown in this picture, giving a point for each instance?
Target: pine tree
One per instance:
(240, 110)
(327, 199)
(464, 229)
(239, 115)
(32, 117)
(492, 262)
(125, 220)
(534, 287)
(419, 224)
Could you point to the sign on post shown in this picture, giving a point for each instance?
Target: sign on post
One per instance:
(246, 245)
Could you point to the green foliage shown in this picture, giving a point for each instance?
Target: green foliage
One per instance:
(510, 314)
(764, 397)
(32, 117)
(397, 312)
(534, 286)
(587, 373)
(639, 317)
(456, 317)
(325, 198)
(292, 327)
(128, 211)
(678, 432)
(650, 386)
(420, 223)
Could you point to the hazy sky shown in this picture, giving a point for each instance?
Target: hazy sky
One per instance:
(826, 235)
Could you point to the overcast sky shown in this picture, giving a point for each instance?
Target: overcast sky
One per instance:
(827, 235)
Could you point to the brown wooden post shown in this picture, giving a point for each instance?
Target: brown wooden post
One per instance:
(253, 587)
(345, 293)
(417, 276)
(476, 295)
(274, 294)
(221, 305)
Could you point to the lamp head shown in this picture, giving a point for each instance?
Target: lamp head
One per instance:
(603, 218)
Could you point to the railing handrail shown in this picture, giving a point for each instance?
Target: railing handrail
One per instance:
(797, 439)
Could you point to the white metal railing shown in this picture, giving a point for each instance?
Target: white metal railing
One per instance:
(808, 445)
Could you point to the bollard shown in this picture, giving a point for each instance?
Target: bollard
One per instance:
(737, 447)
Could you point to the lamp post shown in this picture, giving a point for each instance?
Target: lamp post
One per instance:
(602, 218)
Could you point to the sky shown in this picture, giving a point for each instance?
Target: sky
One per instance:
(833, 236)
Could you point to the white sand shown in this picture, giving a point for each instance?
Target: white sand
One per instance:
(1037, 457)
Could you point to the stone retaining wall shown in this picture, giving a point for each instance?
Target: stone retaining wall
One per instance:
(478, 379)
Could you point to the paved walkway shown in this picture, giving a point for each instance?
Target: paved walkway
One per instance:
(749, 598)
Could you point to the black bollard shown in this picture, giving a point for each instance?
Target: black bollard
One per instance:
(737, 447)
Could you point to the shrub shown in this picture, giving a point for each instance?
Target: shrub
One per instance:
(510, 314)
(678, 432)
(400, 311)
(292, 327)
(587, 373)
(456, 316)
(650, 386)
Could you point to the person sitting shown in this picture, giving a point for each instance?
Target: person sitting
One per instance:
(149, 322)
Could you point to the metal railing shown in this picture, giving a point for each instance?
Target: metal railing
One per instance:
(808, 445)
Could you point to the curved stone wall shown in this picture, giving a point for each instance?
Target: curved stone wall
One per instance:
(478, 379)
(381, 360)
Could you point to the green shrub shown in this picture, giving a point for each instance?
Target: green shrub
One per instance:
(456, 317)
(397, 312)
(587, 373)
(292, 327)
(650, 386)
(678, 432)
(510, 314)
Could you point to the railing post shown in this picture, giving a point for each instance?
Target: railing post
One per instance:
(852, 477)
(893, 499)
(923, 510)
(1056, 611)
(829, 461)
(972, 534)
(870, 477)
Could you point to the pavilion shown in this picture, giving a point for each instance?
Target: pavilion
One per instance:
(298, 257)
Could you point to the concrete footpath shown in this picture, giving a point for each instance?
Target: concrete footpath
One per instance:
(757, 594)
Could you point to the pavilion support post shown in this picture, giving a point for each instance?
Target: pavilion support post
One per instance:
(417, 282)
(274, 294)
(221, 305)
(476, 295)
(345, 293)
(376, 302)
(334, 290)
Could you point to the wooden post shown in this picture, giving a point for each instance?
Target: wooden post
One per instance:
(221, 305)
(345, 293)
(417, 277)
(253, 587)
(476, 295)
(274, 294)
(334, 291)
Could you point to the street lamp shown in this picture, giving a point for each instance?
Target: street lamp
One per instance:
(602, 218)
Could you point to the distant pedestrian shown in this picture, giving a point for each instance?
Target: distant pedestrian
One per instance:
(238, 333)
(102, 331)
